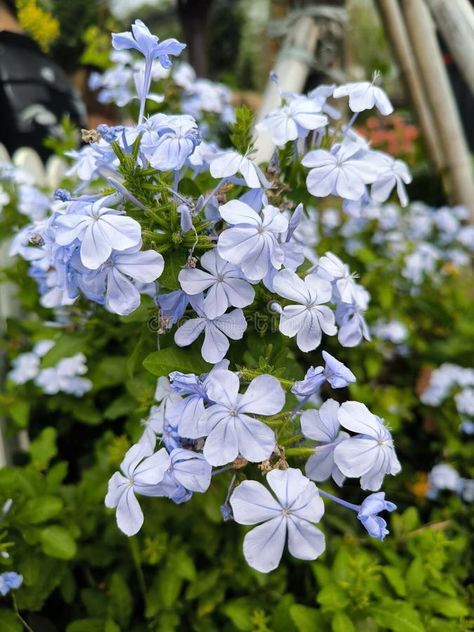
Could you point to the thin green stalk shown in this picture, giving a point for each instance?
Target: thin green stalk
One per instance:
(17, 612)
(299, 451)
(137, 564)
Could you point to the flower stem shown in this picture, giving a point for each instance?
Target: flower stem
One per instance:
(138, 568)
(299, 451)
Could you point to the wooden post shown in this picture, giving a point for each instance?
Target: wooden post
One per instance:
(455, 20)
(292, 67)
(396, 31)
(436, 84)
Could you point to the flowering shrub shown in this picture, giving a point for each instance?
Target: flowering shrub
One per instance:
(187, 276)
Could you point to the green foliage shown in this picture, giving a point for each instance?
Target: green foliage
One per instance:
(242, 130)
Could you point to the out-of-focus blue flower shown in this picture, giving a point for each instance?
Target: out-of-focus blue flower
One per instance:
(294, 119)
(364, 95)
(147, 44)
(10, 581)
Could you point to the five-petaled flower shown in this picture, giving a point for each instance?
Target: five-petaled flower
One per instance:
(293, 512)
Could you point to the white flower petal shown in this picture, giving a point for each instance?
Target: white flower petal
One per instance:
(263, 546)
(252, 503)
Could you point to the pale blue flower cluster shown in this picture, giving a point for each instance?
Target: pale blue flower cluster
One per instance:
(65, 377)
(204, 425)
(209, 421)
(349, 166)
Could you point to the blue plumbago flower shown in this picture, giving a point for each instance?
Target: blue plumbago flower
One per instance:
(308, 317)
(167, 398)
(177, 138)
(151, 48)
(393, 173)
(217, 331)
(32, 202)
(323, 426)
(336, 271)
(294, 119)
(192, 389)
(293, 511)
(172, 307)
(99, 229)
(364, 95)
(112, 283)
(223, 282)
(9, 581)
(64, 377)
(190, 469)
(336, 373)
(228, 163)
(369, 455)
(344, 171)
(147, 44)
(25, 367)
(368, 514)
(321, 94)
(443, 477)
(229, 428)
(352, 325)
(188, 472)
(311, 383)
(140, 469)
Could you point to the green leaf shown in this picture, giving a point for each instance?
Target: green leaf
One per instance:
(341, 623)
(172, 359)
(182, 564)
(306, 619)
(397, 616)
(395, 579)
(120, 407)
(175, 260)
(205, 581)
(333, 597)
(120, 600)
(43, 448)
(40, 509)
(447, 606)
(58, 542)
(65, 347)
(19, 411)
(416, 575)
(9, 621)
(86, 625)
(240, 612)
(110, 372)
